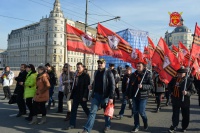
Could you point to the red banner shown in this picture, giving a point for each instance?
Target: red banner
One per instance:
(151, 47)
(79, 41)
(195, 52)
(111, 44)
(165, 61)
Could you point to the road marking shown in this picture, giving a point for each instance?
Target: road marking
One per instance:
(13, 115)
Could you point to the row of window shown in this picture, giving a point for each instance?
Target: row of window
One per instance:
(56, 29)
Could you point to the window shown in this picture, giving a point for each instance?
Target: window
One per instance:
(60, 59)
(60, 43)
(54, 58)
(54, 51)
(74, 59)
(54, 35)
(71, 59)
(55, 21)
(55, 28)
(54, 42)
(68, 60)
(61, 22)
(60, 35)
(61, 51)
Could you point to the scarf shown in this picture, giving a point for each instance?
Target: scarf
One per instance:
(6, 73)
(176, 88)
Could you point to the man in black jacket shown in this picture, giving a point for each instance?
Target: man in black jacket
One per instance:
(52, 80)
(176, 87)
(140, 101)
(125, 82)
(19, 90)
(117, 79)
(103, 89)
(79, 94)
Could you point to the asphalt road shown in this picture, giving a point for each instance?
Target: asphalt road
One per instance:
(158, 122)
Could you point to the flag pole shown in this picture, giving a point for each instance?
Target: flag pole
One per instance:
(91, 79)
(141, 83)
(187, 75)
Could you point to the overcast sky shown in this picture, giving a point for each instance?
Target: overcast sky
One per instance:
(147, 15)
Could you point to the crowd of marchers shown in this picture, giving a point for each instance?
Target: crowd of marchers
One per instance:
(35, 88)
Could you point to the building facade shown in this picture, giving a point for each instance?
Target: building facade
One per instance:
(182, 34)
(45, 41)
(3, 58)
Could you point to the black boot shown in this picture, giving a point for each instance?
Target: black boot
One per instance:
(68, 116)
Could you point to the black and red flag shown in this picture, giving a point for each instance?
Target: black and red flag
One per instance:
(165, 61)
(79, 41)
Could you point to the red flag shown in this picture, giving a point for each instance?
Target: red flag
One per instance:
(146, 53)
(195, 67)
(151, 47)
(183, 52)
(136, 57)
(109, 43)
(183, 48)
(165, 61)
(79, 41)
(175, 50)
(196, 43)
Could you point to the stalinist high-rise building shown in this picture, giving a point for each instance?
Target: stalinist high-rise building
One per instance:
(45, 41)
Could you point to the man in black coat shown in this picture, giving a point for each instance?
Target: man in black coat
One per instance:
(52, 80)
(140, 101)
(125, 82)
(178, 91)
(19, 90)
(79, 93)
(117, 79)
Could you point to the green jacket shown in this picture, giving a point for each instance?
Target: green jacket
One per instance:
(30, 85)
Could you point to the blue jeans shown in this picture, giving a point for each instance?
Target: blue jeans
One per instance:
(139, 106)
(123, 106)
(96, 102)
(51, 92)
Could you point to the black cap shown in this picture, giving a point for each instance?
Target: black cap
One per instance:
(126, 66)
(182, 70)
(111, 65)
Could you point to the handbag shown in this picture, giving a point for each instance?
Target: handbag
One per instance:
(13, 99)
(109, 111)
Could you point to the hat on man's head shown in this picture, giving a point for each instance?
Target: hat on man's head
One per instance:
(101, 60)
(111, 64)
(126, 66)
(182, 70)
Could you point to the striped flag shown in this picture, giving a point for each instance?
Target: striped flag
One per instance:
(111, 44)
(165, 61)
(79, 41)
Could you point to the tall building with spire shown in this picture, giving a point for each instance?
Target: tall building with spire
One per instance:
(45, 41)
